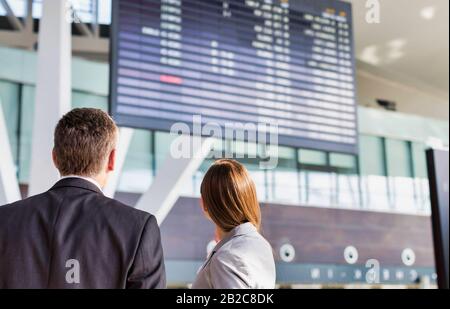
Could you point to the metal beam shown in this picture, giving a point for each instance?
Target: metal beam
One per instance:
(95, 21)
(173, 176)
(9, 185)
(29, 21)
(13, 19)
(83, 28)
(90, 45)
(53, 91)
(123, 145)
(17, 39)
(80, 44)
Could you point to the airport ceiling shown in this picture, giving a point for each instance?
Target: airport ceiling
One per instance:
(412, 39)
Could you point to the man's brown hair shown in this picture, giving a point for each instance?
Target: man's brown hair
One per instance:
(84, 139)
(229, 195)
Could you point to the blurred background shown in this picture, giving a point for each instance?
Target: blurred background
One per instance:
(326, 214)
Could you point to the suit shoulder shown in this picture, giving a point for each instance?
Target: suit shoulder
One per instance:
(23, 203)
(125, 211)
(6, 209)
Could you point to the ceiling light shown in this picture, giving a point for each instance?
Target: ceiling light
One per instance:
(370, 54)
(428, 12)
(396, 49)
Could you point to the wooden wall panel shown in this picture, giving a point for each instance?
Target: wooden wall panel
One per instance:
(319, 235)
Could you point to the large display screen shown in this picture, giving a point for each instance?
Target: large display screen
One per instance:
(289, 63)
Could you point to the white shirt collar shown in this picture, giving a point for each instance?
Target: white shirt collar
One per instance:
(91, 180)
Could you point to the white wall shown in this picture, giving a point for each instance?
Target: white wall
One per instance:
(411, 96)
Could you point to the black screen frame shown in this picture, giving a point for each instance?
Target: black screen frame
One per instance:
(438, 169)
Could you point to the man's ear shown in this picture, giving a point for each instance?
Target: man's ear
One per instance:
(55, 160)
(112, 161)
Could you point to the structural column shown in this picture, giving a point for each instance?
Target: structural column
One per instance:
(9, 185)
(53, 90)
(173, 176)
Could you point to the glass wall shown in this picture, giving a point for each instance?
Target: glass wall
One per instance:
(85, 9)
(400, 180)
(374, 187)
(315, 178)
(9, 96)
(420, 175)
(347, 192)
(283, 182)
(388, 175)
(138, 170)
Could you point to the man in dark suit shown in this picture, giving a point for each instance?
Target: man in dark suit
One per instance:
(72, 236)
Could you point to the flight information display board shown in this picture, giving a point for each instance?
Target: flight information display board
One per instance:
(289, 62)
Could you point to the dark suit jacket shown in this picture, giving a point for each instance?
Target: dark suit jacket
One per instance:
(48, 239)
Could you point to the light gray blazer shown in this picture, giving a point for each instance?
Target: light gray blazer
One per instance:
(242, 260)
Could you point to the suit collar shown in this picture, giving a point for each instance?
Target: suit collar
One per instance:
(243, 229)
(77, 183)
(91, 180)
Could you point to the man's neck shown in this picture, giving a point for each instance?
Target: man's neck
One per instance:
(94, 180)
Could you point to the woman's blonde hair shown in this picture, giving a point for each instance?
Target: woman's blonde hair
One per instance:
(229, 195)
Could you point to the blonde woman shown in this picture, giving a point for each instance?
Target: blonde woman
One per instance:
(242, 259)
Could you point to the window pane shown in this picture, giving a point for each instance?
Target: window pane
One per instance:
(26, 132)
(137, 173)
(423, 199)
(283, 180)
(374, 184)
(316, 188)
(398, 158)
(347, 194)
(84, 9)
(347, 191)
(421, 183)
(372, 156)
(163, 141)
(375, 194)
(343, 161)
(104, 12)
(9, 100)
(312, 157)
(400, 172)
(81, 99)
(17, 6)
(419, 160)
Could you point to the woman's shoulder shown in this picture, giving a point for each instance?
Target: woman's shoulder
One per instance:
(251, 257)
(244, 247)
